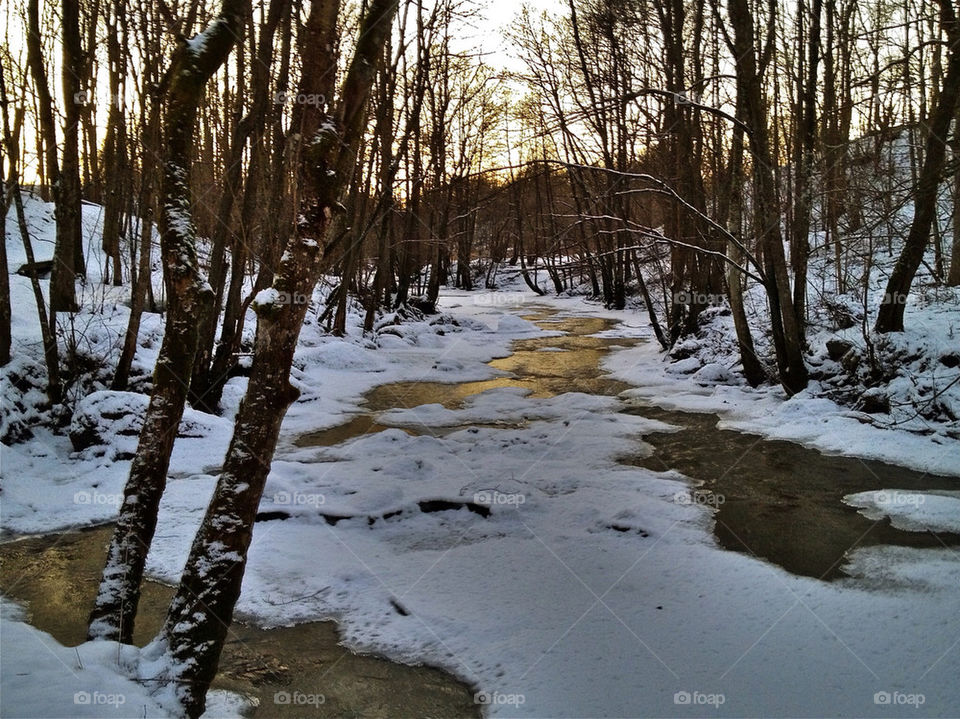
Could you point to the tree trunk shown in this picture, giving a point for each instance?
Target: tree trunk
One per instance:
(232, 181)
(116, 166)
(890, 315)
(201, 612)
(141, 278)
(807, 131)
(70, 190)
(953, 275)
(5, 314)
(731, 213)
(651, 309)
(10, 186)
(62, 289)
(11, 143)
(385, 206)
(788, 339)
(187, 294)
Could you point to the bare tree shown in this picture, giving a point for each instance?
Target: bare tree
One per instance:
(118, 176)
(201, 612)
(70, 190)
(150, 146)
(890, 315)
(211, 370)
(731, 212)
(62, 288)
(196, 60)
(806, 136)
(11, 144)
(953, 276)
(750, 65)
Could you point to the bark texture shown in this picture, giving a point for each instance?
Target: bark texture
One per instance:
(200, 613)
(187, 294)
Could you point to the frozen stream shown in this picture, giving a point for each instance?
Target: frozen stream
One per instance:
(775, 500)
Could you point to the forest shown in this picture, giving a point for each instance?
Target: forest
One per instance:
(404, 316)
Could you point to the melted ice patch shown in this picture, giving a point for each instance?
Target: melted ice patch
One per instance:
(910, 511)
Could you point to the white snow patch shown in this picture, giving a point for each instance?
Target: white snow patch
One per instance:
(912, 511)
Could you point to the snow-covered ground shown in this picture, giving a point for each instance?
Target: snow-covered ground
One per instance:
(590, 588)
(42, 678)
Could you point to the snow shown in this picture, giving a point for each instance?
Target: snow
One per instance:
(807, 418)
(591, 588)
(344, 356)
(713, 373)
(198, 43)
(685, 366)
(911, 511)
(510, 324)
(905, 568)
(95, 679)
(266, 297)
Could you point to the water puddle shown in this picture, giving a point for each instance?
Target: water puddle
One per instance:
(781, 501)
(56, 577)
(546, 366)
(356, 426)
